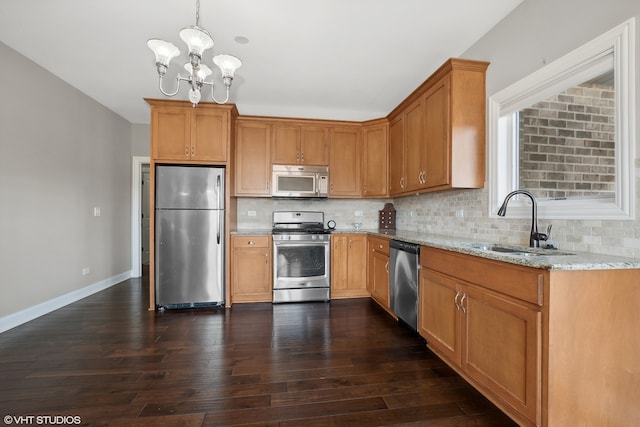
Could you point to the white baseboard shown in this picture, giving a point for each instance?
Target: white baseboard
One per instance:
(23, 316)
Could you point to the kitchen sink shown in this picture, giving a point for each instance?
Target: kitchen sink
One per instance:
(517, 251)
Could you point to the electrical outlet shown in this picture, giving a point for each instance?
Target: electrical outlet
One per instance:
(358, 213)
(251, 213)
(97, 211)
(86, 271)
(459, 213)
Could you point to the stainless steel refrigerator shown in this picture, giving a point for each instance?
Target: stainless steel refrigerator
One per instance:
(189, 236)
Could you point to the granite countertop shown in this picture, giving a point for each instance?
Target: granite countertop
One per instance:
(548, 259)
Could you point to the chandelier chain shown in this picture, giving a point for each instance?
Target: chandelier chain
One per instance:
(197, 13)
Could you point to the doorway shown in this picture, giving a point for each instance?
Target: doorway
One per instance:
(140, 215)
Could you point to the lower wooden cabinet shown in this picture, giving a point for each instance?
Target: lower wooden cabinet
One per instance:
(378, 283)
(349, 266)
(251, 269)
(490, 337)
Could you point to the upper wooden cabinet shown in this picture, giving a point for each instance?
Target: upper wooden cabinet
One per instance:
(344, 162)
(397, 170)
(253, 159)
(375, 159)
(300, 144)
(437, 135)
(181, 133)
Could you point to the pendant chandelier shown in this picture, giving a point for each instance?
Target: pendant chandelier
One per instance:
(198, 40)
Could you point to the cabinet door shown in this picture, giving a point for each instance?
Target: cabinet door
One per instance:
(379, 278)
(314, 146)
(375, 161)
(396, 156)
(414, 122)
(344, 163)
(253, 159)
(438, 314)
(250, 269)
(286, 145)
(170, 133)
(438, 154)
(339, 264)
(348, 266)
(501, 347)
(209, 135)
(357, 269)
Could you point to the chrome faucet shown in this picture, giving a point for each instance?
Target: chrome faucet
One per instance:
(535, 237)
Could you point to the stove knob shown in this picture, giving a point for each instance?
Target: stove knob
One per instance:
(314, 237)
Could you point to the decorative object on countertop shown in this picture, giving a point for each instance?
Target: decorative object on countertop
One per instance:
(387, 217)
(357, 225)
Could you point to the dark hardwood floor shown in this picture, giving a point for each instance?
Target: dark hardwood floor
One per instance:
(109, 361)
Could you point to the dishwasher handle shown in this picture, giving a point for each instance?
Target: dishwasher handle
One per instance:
(404, 246)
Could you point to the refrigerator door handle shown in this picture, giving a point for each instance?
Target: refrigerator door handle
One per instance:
(219, 189)
(218, 232)
(218, 185)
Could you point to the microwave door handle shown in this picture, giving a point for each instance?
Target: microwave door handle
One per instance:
(318, 185)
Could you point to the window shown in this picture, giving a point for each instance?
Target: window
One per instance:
(567, 134)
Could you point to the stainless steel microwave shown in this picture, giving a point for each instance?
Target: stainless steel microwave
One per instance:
(296, 181)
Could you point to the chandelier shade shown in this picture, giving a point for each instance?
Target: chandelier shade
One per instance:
(198, 40)
(202, 73)
(163, 50)
(228, 64)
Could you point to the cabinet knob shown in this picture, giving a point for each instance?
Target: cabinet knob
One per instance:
(251, 242)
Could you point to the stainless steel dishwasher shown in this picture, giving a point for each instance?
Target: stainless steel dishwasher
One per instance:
(403, 281)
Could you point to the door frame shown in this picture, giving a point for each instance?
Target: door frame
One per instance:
(136, 213)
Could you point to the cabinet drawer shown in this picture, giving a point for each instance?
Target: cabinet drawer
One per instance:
(379, 244)
(240, 242)
(516, 281)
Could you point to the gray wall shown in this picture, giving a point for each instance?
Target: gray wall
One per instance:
(140, 140)
(61, 155)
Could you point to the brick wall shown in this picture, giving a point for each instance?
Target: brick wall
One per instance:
(567, 144)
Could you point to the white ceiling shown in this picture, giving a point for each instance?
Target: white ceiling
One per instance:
(332, 59)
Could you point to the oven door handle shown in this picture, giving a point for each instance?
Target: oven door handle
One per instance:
(305, 243)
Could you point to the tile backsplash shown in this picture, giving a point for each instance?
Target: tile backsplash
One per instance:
(343, 211)
(456, 213)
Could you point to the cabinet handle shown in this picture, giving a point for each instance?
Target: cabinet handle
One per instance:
(251, 242)
(402, 182)
(266, 258)
(193, 151)
(380, 246)
(386, 266)
(186, 151)
(297, 156)
(267, 185)
(455, 300)
(464, 297)
(302, 156)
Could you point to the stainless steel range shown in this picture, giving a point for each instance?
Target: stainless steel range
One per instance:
(301, 257)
